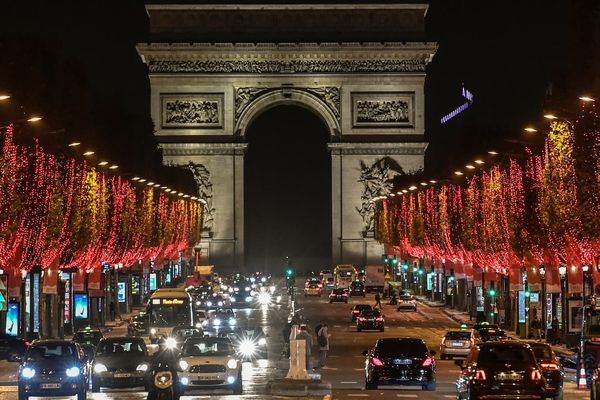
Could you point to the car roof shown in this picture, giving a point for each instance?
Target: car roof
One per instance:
(402, 339)
(504, 343)
(122, 339)
(362, 305)
(53, 342)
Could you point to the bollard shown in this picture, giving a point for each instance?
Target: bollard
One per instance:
(297, 360)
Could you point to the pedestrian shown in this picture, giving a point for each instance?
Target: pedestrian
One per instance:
(377, 301)
(536, 327)
(323, 340)
(554, 324)
(111, 308)
(319, 326)
(304, 335)
(286, 332)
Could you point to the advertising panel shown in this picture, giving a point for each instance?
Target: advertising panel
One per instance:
(81, 305)
(153, 281)
(12, 320)
(121, 292)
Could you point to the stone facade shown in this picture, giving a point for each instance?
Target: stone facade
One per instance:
(369, 96)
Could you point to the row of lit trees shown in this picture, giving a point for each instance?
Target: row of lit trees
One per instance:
(58, 211)
(545, 208)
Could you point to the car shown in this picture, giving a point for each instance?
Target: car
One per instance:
(12, 348)
(250, 343)
(210, 363)
(400, 361)
(221, 321)
(357, 309)
(407, 301)
(338, 296)
(484, 324)
(181, 333)
(551, 369)
(357, 288)
(53, 368)
(138, 325)
(370, 319)
(329, 283)
(456, 343)
(120, 362)
(502, 370)
(488, 334)
(88, 338)
(312, 289)
(200, 317)
(213, 302)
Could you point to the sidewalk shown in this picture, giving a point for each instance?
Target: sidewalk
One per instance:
(109, 325)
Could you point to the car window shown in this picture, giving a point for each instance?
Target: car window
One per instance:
(456, 335)
(50, 351)
(502, 354)
(121, 347)
(362, 307)
(206, 347)
(401, 347)
(201, 314)
(87, 337)
(370, 313)
(491, 332)
(542, 352)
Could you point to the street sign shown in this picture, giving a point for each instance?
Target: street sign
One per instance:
(3, 293)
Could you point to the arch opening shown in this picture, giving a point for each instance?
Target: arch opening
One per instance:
(287, 191)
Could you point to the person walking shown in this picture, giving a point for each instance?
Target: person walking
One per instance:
(323, 340)
(111, 308)
(308, 343)
(536, 328)
(377, 301)
(555, 333)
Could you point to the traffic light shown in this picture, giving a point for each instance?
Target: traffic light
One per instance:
(492, 290)
(385, 259)
(289, 273)
(421, 271)
(394, 260)
(405, 267)
(527, 292)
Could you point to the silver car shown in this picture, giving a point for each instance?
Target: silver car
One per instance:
(456, 343)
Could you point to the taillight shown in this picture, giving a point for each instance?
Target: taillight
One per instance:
(596, 339)
(536, 375)
(344, 294)
(380, 319)
(480, 375)
(356, 311)
(27, 344)
(427, 362)
(362, 319)
(551, 366)
(444, 341)
(376, 362)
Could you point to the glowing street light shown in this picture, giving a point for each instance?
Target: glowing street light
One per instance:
(150, 184)
(493, 152)
(4, 97)
(404, 191)
(114, 166)
(88, 153)
(103, 163)
(34, 118)
(74, 144)
(142, 180)
(413, 187)
(550, 116)
(432, 181)
(587, 99)
(530, 129)
(135, 178)
(478, 161)
(423, 183)
(469, 166)
(459, 173)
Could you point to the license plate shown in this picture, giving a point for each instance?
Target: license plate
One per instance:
(206, 378)
(509, 376)
(338, 296)
(371, 320)
(403, 362)
(50, 385)
(122, 375)
(457, 344)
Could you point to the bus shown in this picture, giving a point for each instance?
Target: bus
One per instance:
(168, 308)
(344, 275)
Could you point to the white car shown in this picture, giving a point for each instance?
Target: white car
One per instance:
(210, 363)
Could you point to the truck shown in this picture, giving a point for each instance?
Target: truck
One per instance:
(344, 274)
(374, 278)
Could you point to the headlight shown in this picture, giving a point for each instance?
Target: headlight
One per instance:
(232, 321)
(231, 364)
(100, 368)
(142, 367)
(220, 304)
(247, 347)
(278, 299)
(254, 285)
(232, 299)
(27, 372)
(263, 279)
(223, 287)
(153, 331)
(184, 380)
(171, 343)
(248, 299)
(209, 303)
(198, 324)
(247, 288)
(205, 322)
(230, 290)
(183, 365)
(262, 341)
(271, 289)
(264, 298)
(73, 372)
(217, 322)
(252, 280)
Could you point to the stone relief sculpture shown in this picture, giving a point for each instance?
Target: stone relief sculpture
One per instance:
(244, 95)
(192, 112)
(205, 191)
(330, 95)
(394, 111)
(377, 180)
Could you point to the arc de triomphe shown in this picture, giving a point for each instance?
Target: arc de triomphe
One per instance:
(212, 74)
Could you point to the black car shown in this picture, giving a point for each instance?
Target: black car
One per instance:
(88, 338)
(181, 333)
(400, 361)
(120, 362)
(357, 309)
(12, 348)
(338, 296)
(505, 370)
(357, 288)
(249, 343)
(551, 369)
(370, 319)
(488, 334)
(53, 368)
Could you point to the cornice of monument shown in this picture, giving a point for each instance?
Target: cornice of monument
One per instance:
(401, 148)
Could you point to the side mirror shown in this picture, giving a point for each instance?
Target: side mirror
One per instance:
(364, 353)
(460, 363)
(432, 352)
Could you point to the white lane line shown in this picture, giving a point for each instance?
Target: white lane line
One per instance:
(357, 395)
(449, 396)
(349, 382)
(411, 396)
(359, 369)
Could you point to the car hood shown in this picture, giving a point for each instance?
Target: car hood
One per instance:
(54, 364)
(194, 360)
(124, 361)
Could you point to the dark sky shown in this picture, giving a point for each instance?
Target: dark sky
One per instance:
(76, 64)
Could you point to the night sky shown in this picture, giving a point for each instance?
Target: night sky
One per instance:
(77, 65)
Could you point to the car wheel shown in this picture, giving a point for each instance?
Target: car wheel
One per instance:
(559, 396)
(371, 385)
(430, 386)
(81, 395)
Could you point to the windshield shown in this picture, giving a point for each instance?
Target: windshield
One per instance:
(370, 314)
(87, 337)
(411, 348)
(170, 315)
(592, 322)
(207, 347)
(51, 352)
(458, 335)
(491, 332)
(345, 274)
(362, 307)
(121, 347)
(502, 354)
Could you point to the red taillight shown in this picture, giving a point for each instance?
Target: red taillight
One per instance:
(443, 341)
(480, 375)
(27, 344)
(536, 375)
(376, 362)
(551, 366)
(380, 319)
(344, 294)
(596, 339)
(356, 311)
(362, 319)
(427, 362)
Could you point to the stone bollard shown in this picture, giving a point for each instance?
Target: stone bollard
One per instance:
(297, 360)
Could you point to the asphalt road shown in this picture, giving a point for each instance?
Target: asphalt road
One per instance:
(345, 361)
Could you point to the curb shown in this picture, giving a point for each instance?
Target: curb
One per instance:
(299, 388)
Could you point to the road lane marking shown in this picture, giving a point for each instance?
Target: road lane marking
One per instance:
(359, 369)
(349, 382)
(9, 388)
(449, 396)
(357, 395)
(412, 396)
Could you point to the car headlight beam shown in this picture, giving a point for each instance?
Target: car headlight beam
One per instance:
(28, 372)
(183, 365)
(153, 331)
(100, 368)
(247, 348)
(232, 364)
(73, 372)
(264, 299)
(171, 343)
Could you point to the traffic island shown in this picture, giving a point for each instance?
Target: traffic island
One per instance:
(299, 388)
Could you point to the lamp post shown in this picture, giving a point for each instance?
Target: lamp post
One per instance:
(586, 292)
(543, 300)
(564, 283)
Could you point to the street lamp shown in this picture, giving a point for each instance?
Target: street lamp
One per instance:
(562, 270)
(542, 270)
